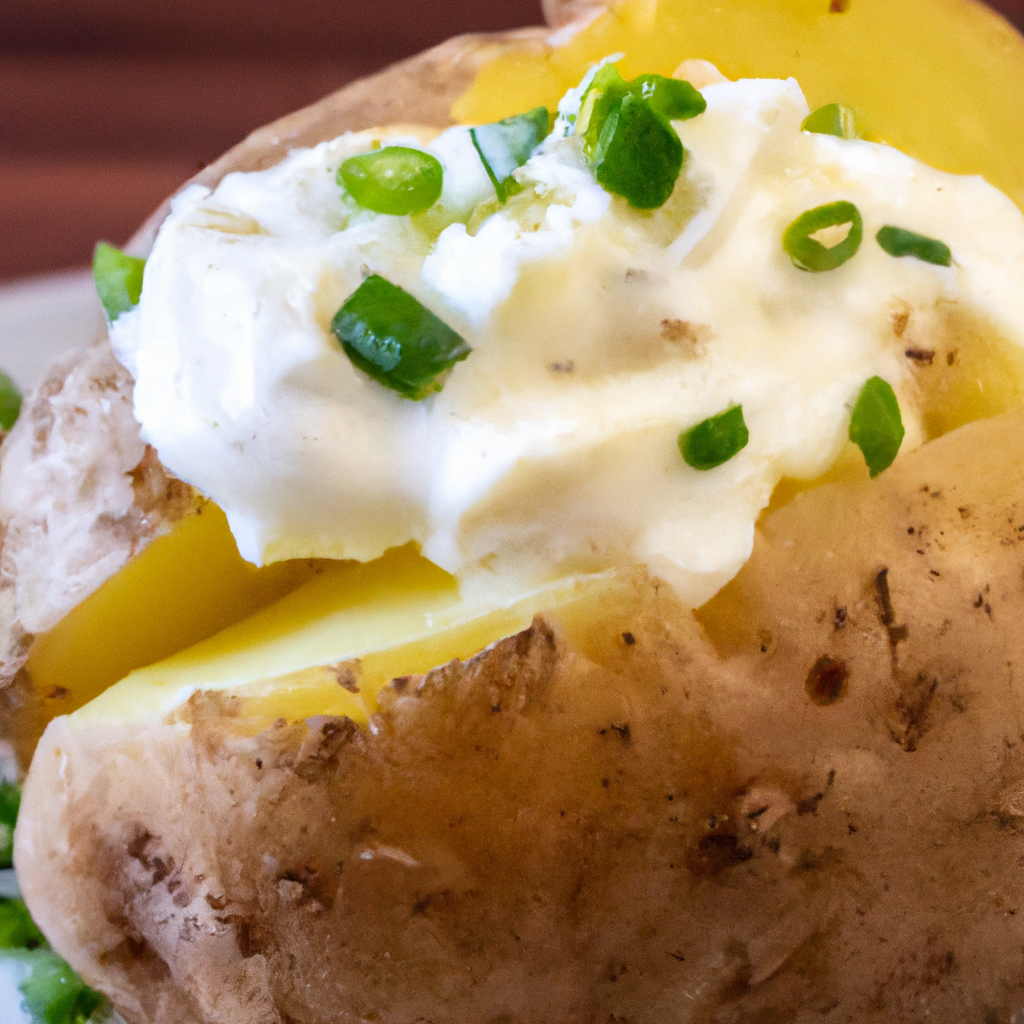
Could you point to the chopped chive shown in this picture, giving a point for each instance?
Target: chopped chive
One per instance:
(396, 340)
(832, 119)
(507, 144)
(673, 97)
(638, 155)
(628, 139)
(10, 410)
(900, 242)
(55, 994)
(10, 799)
(876, 426)
(397, 180)
(118, 278)
(17, 929)
(807, 252)
(715, 440)
(604, 92)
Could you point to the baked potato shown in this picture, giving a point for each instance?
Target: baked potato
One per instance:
(800, 801)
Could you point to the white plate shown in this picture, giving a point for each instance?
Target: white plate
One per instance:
(42, 318)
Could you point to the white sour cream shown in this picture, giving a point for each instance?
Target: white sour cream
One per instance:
(598, 334)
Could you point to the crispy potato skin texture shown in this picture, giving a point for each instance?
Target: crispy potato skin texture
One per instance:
(581, 825)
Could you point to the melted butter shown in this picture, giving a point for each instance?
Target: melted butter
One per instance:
(942, 80)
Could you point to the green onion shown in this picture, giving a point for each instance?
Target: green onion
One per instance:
(673, 97)
(10, 402)
(17, 929)
(638, 155)
(876, 426)
(118, 278)
(832, 119)
(396, 340)
(395, 180)
(716, 440)
(54, 993)
(629, 143)
(10, 799)
(900, 242)
(807, 252)
(507, 144)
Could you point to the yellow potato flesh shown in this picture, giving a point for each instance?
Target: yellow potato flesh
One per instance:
(942, 80)
(184, 587)
(332, 644)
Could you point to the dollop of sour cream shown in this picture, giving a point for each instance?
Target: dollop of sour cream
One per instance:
(598, 332)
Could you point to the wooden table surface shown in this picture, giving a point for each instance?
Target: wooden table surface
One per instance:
(105, 108)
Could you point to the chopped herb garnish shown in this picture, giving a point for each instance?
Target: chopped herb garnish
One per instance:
(10, 799)
(715, 440)
(629, 142)
(638, 155)
(396, 179)
(832, 119)
(396, 340)
(810, 253)
(673, 97)
(118, 278)
(55, 994)
(17, 929)
(900, 242)
(10, 402)
(507, 144)
(876, 426)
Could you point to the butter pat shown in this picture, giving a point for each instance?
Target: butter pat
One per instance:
(598, 334)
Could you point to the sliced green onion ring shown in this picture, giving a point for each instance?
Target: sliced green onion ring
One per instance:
(876, 426)
(118, 278)
(716, 440)
(507, 144)
(901, 242)
(832, 119)
(393, 338)
(807, 252)
(396, 180)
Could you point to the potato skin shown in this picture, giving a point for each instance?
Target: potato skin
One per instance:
(609, 816)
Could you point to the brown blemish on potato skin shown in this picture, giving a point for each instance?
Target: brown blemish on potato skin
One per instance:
(826, 680)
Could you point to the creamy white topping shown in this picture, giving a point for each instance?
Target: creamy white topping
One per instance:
(598, 334)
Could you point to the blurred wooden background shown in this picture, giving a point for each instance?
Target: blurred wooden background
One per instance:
(106, 107)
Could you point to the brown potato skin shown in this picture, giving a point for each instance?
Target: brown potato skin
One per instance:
(614, 816)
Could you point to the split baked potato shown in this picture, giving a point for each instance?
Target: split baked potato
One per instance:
(802, 801)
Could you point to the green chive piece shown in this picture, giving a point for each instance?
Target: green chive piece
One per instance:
(17, 929)
(507, 144)
(118, 278)
(10, 799)
(900, 242)
(876, 426)
(54, 993)
(673, 97)
(809, 253)
(605, 91)
(832, 119)
(396, 340)
(396, 180)
(638, 155)
(715, 440)
(10, 402)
